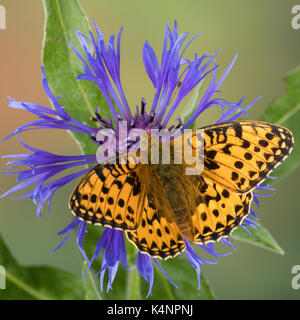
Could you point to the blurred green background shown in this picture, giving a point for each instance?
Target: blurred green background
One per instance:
(259, 31)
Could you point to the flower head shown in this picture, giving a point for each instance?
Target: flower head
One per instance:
(173, 79)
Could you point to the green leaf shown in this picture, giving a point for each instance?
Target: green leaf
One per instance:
(38, 283)
(286, 112)
(89, 284)
(62, 66)
(260, 237)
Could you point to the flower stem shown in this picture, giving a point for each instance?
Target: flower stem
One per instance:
(133, 285)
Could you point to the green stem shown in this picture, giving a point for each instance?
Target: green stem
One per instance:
(133, 285)
(92, 293)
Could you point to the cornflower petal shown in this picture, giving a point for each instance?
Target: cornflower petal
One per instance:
(146, 270)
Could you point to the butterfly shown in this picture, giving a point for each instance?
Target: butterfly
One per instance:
(158, 206)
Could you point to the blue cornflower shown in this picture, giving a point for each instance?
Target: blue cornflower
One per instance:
(173, 79)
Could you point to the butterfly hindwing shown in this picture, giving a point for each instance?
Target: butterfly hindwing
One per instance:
(239, 155)
(157, 236)
(110, 195)
(218, 212)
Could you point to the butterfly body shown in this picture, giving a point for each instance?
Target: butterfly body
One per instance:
(176, 192)
(159, 205)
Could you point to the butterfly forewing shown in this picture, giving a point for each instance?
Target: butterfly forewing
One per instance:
(110, 195)
(240, 155)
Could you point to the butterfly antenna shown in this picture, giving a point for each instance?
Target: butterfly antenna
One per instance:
(143, 106)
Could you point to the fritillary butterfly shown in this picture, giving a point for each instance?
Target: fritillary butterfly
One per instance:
(159, 205)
